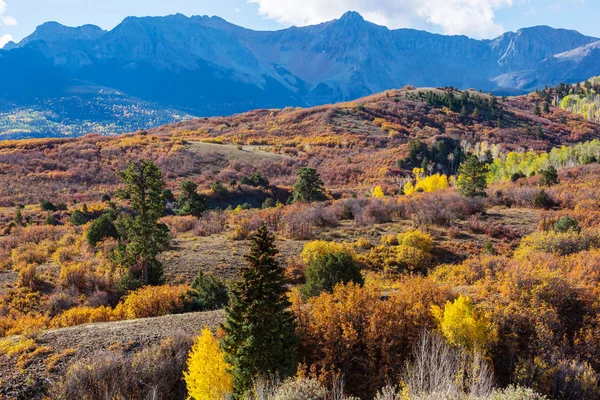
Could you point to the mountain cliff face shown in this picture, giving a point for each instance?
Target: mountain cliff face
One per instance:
(207, 66)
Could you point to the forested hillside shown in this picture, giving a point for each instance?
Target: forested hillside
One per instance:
(415, 244)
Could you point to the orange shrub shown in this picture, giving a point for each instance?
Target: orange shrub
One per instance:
(353, 331)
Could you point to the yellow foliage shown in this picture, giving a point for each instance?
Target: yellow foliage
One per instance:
(416, 239)
(362, 243)
(26, 324)
(433, 183)
(207, 377)
(426, 184)
(378, 192)
(463, 326)
(74, 275)
(153, 301)
(82, 315)
(318, 248)
(389, 240)
(16, 346)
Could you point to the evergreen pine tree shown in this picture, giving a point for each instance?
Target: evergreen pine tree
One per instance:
(546, 107)
(472, 178)
(189, 201)
(259, 327)
(19, 216)
(309, 186)
(145, 238)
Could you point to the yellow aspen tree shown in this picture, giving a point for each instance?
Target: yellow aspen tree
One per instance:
(208, 376)
(463, 326)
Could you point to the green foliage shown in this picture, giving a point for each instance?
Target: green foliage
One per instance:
(259, 328)
(219, 189)
(209, 292)
(516, 393)
(189, 201)
(145, 237)
(472, 178)
(588, 106)
(18, 220)
(529, 163)
(78, 218)
(566, 224)
(168, 196)
(466, 103)
(100, 229)
(255, 179)
(542, 200)
(309, 186)
(446, 154)
(328, 270)
(45, 205)
(549, 176)
(268, 203)
(50, 219)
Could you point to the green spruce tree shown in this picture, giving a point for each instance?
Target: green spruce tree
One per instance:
(308, 187)
(189, 201)
(472, 178)
(259, 328)
(144, 237)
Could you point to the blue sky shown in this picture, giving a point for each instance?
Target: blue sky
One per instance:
(475, 18)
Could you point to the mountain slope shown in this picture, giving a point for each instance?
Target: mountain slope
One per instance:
(207, 66)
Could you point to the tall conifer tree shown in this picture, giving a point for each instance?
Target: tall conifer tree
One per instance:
(260, 337)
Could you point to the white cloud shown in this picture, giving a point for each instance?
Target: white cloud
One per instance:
(5, 39)
(7, 20)
(475, 18)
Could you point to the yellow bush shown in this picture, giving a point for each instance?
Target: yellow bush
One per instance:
(28, 276)
(416, 239)
(318, 248)
(153, 301)
(413, 259)
(74, 275)
(389, 240)
(82, 315)
(26, 324)
(378, 192)
(16, 346)
(27, 254)
(362, 243)
(208, 374)
(409, 188)
(463, 326)
(65, 253)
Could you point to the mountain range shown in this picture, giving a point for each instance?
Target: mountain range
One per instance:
(206, 66)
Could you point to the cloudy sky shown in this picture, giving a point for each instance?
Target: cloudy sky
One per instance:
(475, 18)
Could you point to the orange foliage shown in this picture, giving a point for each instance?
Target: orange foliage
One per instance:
(355, 332)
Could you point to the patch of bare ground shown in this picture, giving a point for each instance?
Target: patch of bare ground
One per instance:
(247, 153)
(82, 341)
(214, 254)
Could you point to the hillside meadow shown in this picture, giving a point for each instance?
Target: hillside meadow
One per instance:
(415, 244)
